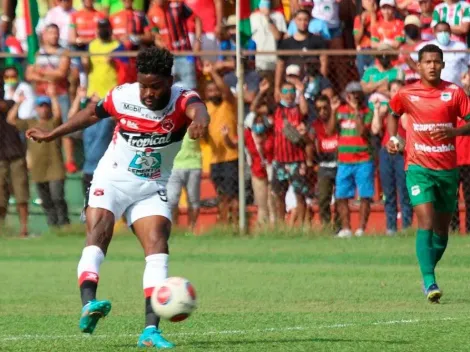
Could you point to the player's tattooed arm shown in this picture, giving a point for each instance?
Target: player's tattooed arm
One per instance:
(197, 112)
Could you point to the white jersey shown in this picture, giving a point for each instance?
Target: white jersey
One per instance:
(131, 177)
(145, 142)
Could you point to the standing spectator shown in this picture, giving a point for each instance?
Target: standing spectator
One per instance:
(302, 40)
(389, 30)
(84, 25)
(168, 19)
(326, 150)
(61, 16)
(457, 14)
(377, 78)
(289, 161)
(267, 27)
(222, 108)
(96, 138)
(211, 14)
(355, 164)
(14, 87)
(425, 17)
(363, 24)
(52, 66)
(13, 170)
(456, 63)
(102, 71)
(47, 169)
(187, 171)
(111, 7)
(392, 167)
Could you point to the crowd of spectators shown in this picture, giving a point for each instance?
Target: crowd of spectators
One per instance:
(315, 126)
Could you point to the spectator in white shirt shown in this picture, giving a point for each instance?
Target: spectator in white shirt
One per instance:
(14, 88)
(267, 27)
(60, 16)
(456, 62)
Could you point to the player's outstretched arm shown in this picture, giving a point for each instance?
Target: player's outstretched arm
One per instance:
(197, 112)
(81, 120)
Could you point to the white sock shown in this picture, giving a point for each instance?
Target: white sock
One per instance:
(89, 264)
(156, 270)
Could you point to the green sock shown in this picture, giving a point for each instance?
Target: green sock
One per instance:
(439, 244)
(426, 256)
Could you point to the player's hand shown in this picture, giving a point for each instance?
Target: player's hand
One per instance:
(392, 147)
(39, 135)
(442, 133)
(196, 130)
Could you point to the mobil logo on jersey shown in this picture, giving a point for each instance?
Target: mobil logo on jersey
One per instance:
(146, 164)
(145, 113)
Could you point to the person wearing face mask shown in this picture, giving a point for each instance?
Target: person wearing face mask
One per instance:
(222, 107)
(413, 39)
(377, 77)
(14, 87)
(457, 14)
(456, 63)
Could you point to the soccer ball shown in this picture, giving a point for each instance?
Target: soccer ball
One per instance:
(174, 299)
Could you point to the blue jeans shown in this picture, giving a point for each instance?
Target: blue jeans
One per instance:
(393, 179)
(363, 62)
(184, 71)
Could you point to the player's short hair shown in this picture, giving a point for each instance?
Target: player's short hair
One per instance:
(396, 81)
(430, 48)
(322, 98)
(154, 61)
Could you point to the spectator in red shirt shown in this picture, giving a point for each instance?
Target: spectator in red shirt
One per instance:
(392, 167)
(84, 25)
(389, 30)
(425, 17)
(289, 162)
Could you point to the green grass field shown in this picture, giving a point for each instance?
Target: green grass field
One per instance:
(255, 294)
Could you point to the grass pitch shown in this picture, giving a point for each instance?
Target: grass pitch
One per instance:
(255, 294)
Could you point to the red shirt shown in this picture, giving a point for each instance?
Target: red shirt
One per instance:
(386, 135)
(426, 109)
(128, 22)
(327, 145)
(284, 150)
(205, 10)
(463, 147)
(388, 31)
(366, 38)
(258, 168)
(86, 22)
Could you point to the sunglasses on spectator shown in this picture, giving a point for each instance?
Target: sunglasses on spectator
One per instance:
(288, 90)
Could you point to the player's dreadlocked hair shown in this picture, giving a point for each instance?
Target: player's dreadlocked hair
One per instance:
(154, 61)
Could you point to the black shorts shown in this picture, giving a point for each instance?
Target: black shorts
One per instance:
(225, 177)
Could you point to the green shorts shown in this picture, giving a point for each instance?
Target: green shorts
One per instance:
(438, 187)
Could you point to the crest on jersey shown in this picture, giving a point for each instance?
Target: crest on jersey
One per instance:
(146, 164)
(446, 96)
(167, 125)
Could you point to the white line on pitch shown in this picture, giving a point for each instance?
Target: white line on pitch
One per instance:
(232, 332)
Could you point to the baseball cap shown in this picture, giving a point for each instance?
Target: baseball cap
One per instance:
(43, 99)
(412, 19)
(353, 86)
(387, 2)
(293, 70)
(231, 21)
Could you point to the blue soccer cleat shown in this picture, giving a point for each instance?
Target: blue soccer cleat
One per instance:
(91, 313)
(151, 337)
(433, 293)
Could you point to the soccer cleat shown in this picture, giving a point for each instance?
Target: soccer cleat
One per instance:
(91, 313)
(344, 233)
(433, 293)
(151, 337)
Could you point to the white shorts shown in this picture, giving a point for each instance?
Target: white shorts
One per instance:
(134, 198)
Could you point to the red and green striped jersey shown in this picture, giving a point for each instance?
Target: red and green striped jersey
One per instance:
(353, 148)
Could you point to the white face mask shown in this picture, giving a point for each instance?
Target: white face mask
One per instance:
(443, 38)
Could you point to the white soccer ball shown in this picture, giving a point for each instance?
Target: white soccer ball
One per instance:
(174, 299)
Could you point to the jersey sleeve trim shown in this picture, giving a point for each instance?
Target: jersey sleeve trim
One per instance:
(105, 107)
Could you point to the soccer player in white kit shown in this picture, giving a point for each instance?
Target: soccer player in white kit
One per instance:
(152, 117)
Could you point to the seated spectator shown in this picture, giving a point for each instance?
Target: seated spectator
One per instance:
(268, 28)
(377, 77)
(168, 20)
(13, 171)
(46, 169)
(289, 161)
(14, 88)
(456, 63)
(355, 162)
(186, 173)
(389, 30)
(302, 40)
(425, 17)
(327, 11)
(325, 156)
(61, 15)
(222, 107)
(363, 25)
(413, 39)
(457, 14)
(392, 167)
(102, 69)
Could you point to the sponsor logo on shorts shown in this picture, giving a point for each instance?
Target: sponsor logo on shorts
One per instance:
(146, 164)
(98, 192)
(443, 148)
(415, 190)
